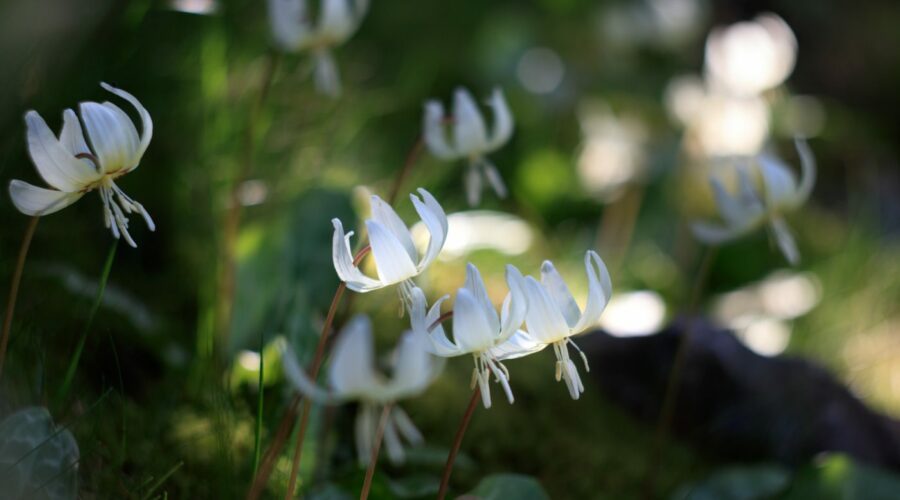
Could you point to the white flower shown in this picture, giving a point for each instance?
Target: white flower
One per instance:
(750, 57)
(352, 376)
(396, 257)
(73, 168)
(470, 138)
(294, 30)
(553, 316)
(750, 208)
(477, 329)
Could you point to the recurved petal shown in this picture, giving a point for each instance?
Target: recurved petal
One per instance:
(435, 220)
(714, 233)
(544, 320)
(386, 216)
(391, 260)
(337, 21)
(475, 284)
(807, 171)
(471, 330)
(559, 292)
(289, 21)
(301, 381)
(468, 125)
(72, 138)
(435, 133)
(33, 200)
(437, 341)
(343, 262)
(778, 180)
(351, 372)
(503, 120)
(518, 345)
(515, 305)
(54, 162)
(599, 291)
(146, 121)
(785, 241)
(110, 136)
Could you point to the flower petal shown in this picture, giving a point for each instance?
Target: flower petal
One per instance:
(807, 172)
(493, 177)
(437, 341)
(729, 208)
(714, 233)
(599, 291)
(146, 123)
(298, 378)
(413, 370)
(503, 120)
(351, 372)
(387, 217)
(518, 345)
(779, 184)
(435, 220)
(33, 200)
(343, 263)
(391, 260)
(559, 292)
(475, 284)
(544, 320)
(473, 185)
(337, 21)
(515, 305)
(109, 136)
(785, 240)
(289, 23)
(435, 133)
(471, 330)
(468, 125)
(326, 74)
(54, 162)
(72, 138)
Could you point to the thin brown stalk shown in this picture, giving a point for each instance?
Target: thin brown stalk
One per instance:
(373, 459)
(14, 288)
(457, 442)
(411, 159)
(675, 374)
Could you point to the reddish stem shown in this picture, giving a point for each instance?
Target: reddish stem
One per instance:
(457, 442)
(373, 459)
(14, 288)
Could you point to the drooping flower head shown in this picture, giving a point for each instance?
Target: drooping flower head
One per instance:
(478, 329)
(396, 257)
(352, 376)
(294, 30)
(756, 204)
(554, 317)
(469, 138)
(84, 159)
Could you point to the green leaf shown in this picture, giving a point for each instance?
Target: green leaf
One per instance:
(738, 483)
(840, 478)
(504, 486)
(37, 460)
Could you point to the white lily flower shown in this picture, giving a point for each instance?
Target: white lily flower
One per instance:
(745, 211)
(294, 30)
(352, 376)
(72, 168)
(477, 329)
(554, 317)
(396, 257)
(470, 138)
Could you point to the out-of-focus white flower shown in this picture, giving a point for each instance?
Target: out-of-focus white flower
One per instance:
(613, 152)
(751, 207)
(294, 30)
(470, 138)
(352, 376)
(73, 168)
(396, 257)
(477, 329)
(750, 57)
(553, 316)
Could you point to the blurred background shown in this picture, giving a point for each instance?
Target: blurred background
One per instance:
(621, 110)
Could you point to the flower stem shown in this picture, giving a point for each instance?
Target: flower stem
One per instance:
(401, 176)
(680, 360)
(257, 434)
(14, 288)
(76, 357)
(373, 459)
(284, 428)
(457, 442)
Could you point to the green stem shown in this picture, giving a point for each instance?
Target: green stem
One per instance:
(76, 357)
